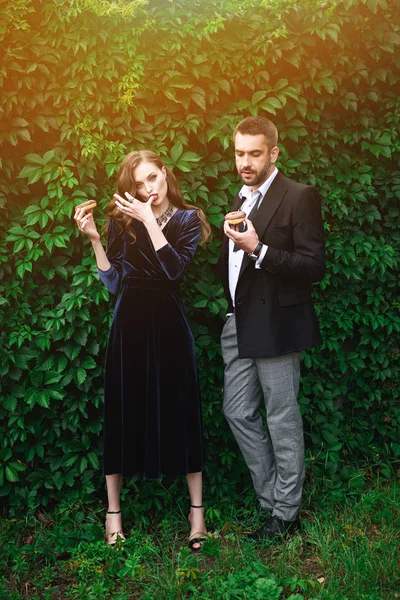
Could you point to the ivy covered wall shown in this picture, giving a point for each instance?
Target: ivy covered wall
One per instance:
(83, 82)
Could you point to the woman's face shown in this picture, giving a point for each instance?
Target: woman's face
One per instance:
(150, 181)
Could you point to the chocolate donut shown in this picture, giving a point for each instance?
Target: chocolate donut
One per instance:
(235, 217)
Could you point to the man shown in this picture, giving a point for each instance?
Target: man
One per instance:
(267, 272)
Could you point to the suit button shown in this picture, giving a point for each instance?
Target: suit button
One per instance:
(262, 301)
(239, 302)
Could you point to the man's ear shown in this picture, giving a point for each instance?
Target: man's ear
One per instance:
(274, 154)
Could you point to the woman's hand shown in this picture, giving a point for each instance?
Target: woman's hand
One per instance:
(141, 211)
(86, 223)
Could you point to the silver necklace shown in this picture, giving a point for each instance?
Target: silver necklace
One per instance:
(163, 218)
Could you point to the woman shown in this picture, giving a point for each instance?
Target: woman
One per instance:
(152, 417)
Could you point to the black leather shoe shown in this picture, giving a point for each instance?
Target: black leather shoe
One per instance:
(258, 515)
(261, 515)
(274, 528)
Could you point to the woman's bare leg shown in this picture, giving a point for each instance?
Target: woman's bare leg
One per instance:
(114, 521)
(196, 515)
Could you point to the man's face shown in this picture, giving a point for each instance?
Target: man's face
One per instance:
(254, 160)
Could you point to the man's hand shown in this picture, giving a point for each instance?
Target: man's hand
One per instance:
(247, 240)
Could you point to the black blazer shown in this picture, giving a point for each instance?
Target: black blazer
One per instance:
(273, 305)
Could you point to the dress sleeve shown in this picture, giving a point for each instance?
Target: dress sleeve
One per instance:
(174, 261)
(112, 277)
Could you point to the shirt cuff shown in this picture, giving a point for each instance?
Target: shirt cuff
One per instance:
(261, 257)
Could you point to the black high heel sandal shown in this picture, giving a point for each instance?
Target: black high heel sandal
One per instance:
(119, 534)
(197, 540)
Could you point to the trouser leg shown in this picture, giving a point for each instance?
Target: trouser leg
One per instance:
(275, 458)
(242, 398)
(279, 378)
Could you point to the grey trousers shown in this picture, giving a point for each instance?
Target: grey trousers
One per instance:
(275, 457)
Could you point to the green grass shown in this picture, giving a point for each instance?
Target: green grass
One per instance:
(346, 550)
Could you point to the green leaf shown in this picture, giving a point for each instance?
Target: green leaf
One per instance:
(28, 170)
(281, 84)
(373, 96)
(80, 375)
(93, 460)
(24, 134)
(19, 122)
(34, 176)
(9, 403)
(201, 303)
(176, 152)
(56, 394)
(258, 96)
(11, 474)
(328, 84)
(43, 398)
(83, 465)
(48, 157)
(17, 466)
(81, 336)
(70, 461)
(37, 378)
(190, 157)
(199, 100)
(34, 159)
(88, 363)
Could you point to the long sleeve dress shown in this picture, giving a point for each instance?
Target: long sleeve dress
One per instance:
(152, 415)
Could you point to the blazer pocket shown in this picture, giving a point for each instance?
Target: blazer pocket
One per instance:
(289, 297)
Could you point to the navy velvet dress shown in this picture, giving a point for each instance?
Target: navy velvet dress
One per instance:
(152, 415)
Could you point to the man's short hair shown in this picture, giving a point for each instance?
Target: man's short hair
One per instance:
(257, 126)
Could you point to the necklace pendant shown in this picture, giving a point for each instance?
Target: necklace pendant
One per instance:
(163, 218)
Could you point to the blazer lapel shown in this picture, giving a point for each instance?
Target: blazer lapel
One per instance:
(237, 202)
(266, 211)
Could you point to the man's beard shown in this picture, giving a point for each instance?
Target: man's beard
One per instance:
(259, 178)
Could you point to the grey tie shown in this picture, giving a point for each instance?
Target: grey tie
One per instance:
(250, 217)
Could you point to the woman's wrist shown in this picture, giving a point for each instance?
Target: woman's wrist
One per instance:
(150, 221)
(95, 240)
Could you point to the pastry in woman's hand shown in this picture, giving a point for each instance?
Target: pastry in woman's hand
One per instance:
(88, 205)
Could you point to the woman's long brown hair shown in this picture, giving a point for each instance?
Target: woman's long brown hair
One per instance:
(126, 183)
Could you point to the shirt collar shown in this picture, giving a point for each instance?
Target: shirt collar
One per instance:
(246, 192)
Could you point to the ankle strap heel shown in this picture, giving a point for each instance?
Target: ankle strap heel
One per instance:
(115, 536)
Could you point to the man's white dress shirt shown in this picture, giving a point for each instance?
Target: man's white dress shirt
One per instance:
(235, 258)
